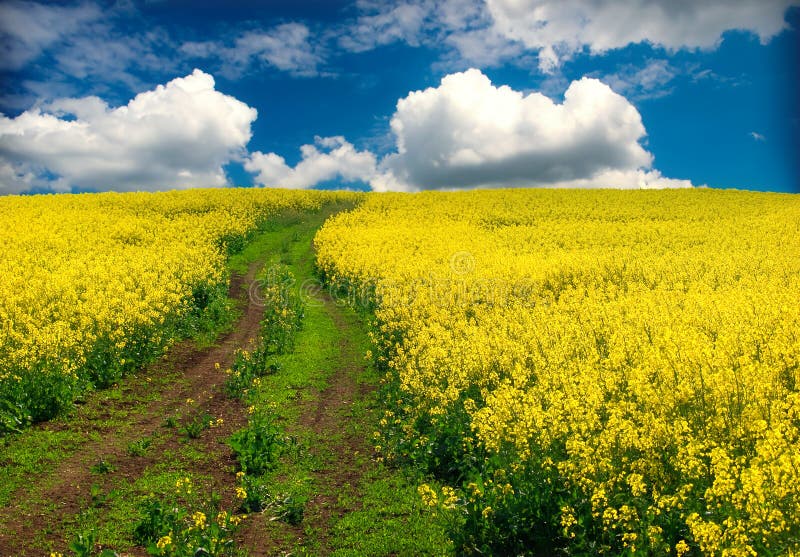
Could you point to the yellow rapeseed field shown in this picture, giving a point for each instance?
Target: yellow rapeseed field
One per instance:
(93, 285)
(598, 371)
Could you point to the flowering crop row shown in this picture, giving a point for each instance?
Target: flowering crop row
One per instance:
(597, 371)
(93, 285)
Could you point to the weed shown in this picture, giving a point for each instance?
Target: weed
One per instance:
(171, 422)
(101, 467)
(197, 425)
(255, 496)
(247, 367)
(96, 493)
(138, 447)
(259, 445)
(253, 493)
(284, 309)
(180, 528)
(83, 544)
(288, 508)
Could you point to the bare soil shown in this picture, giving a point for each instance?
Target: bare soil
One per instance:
(44, 511)
(327, 416)
(67, 487)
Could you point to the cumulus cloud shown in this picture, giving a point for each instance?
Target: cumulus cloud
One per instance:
(287, 47)
(560, 28)
(468, 133)
(178, 135)
(14, 179)
(757, 136)
(328, 158)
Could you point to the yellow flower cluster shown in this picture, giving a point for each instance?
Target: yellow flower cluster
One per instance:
(164, 542)
(183, 486)
(96, 282)
(199, 519)
(640, 351)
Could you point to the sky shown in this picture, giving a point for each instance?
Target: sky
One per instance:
(399, 96)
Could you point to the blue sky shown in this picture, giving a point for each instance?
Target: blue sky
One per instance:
(407, 95)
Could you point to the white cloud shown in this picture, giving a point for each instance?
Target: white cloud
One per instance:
(469, 133)
(28, 28)
(642, 82)
(108, 55)
(560, 28)
(757, 136)
(287, 47)
(338, 159)
(492, 32)
(85, 42)
(626, 179)
(104, 46)
(176, 136)
(482, 47)
(15, 180)
(385, 24)
(463, 27)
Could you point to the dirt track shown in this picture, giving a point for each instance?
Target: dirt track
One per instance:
(45, 512)
(197, 377)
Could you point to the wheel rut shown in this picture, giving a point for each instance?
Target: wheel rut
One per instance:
(58, 497)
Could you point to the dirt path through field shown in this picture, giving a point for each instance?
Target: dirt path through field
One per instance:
(65, 490)
(127, 444)
(329, 418)
(128, 439)
(340, 451)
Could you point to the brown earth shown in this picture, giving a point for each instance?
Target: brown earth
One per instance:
(42, 513)
(198, 378)
(326, 416)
